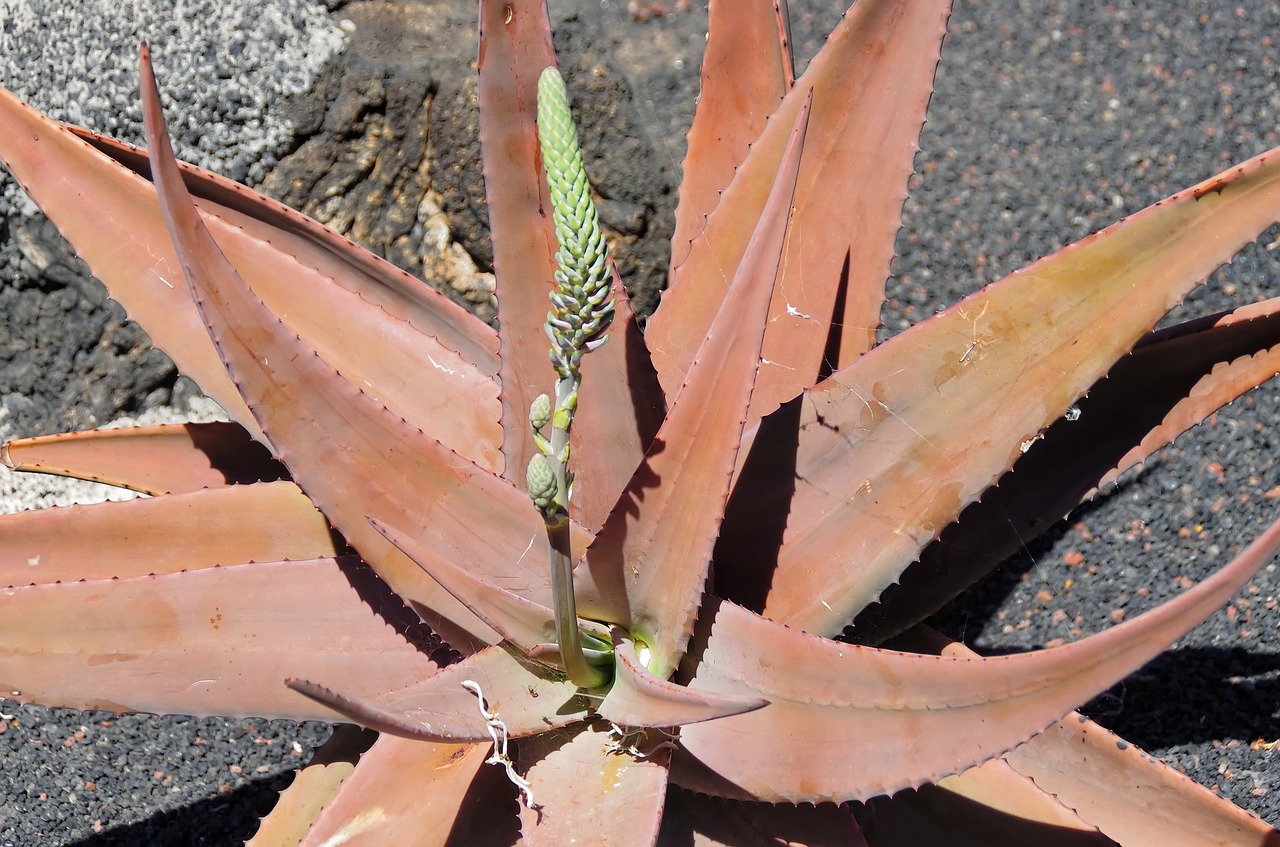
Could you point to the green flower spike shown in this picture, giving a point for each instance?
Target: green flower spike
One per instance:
(582, 306)
(581, 311)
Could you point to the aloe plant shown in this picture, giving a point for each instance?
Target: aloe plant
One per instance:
(747, 476)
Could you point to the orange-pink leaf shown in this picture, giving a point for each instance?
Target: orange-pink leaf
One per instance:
(870, 84)
(744, 77)
(663, 548)
(847, 722)
(1079, 762)
(313, 788)
(640, 699)
(1173, 379)
(350, 454)
(164, 459)
(217, 641)
(401, 792)
(584, 791)
(411, 332)
(892, 447)
(232, 525)
(527, 698)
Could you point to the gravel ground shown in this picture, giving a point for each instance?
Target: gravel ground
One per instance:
(1046, 124)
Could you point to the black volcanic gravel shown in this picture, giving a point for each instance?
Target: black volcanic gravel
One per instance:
(1048, 123)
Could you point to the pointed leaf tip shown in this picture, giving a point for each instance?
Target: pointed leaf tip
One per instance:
(640, 699)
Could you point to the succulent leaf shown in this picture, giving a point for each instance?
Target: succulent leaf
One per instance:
(527, 697)
(820, 737)
(1173, 379)
(166, 459)
(577, 795)
(1014, 357)
(1073, 760)
(232, 525)
(684, 480)
(744, 77)
(127, 247)
(216, 641)
(850, 191)
(314, 787)
(399, 790)
(640, 699)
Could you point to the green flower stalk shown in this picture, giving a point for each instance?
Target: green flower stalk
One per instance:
(581, 311)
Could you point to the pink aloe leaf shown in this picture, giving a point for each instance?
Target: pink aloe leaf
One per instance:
(1074, 759)
(313, 788)
(1079, 763)
(638, 698)
(870, 83)
(998, 795)
(521, 622)
(400, 792)
(684, 479)
(335, 257)
(165, 459)
(527, 698)
(515, 45)
(620, 402)
(217, 641)
(1173, 379)
(125, 243)
(267, 522)
(713, 822)
(351, 454)
(892, 447)
(744, 77)
(934, 815)
(880, 721)
(582, 784)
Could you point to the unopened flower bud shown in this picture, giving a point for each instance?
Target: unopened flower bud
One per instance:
(540, 479)
(540, 412)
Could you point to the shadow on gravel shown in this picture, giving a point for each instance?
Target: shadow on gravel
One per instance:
(225, 821)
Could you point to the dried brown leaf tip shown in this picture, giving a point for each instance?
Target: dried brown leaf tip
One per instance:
(648, 619)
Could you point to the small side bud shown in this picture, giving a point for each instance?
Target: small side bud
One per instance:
(540, 479)
(540, 412)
